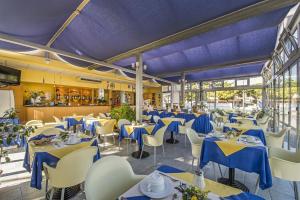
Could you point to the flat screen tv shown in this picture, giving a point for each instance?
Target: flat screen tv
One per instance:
(9, 76)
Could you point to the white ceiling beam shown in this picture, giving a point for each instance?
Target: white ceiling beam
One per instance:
(13, 40)
(67, 22)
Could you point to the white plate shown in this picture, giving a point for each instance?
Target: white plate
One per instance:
(169, 189)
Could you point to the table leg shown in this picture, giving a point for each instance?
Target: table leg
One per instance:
(137, 154)
(69, 193)
(232, 182)
(74, 128)
(172, 140)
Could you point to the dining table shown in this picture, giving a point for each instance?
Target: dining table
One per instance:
(135, 132)
(172, 124)
(91, 123)
(246, 129)
(177, 177)
(51, 153)
(238, 153)
(73, 121)
(238, 118)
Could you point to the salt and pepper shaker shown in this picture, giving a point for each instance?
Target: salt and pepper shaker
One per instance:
(200, 179)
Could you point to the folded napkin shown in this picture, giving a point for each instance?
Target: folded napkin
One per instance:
(41, 136)
(229, 147)
(129, 129)
(244, 196)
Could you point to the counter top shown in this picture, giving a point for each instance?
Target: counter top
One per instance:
(31, 106)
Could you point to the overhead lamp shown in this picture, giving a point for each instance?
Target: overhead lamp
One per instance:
(135, 64)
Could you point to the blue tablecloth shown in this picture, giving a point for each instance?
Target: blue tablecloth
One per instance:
(172, 127)
(41, 157)
(10, 121)
(137, 133)
(249, 159)
(169, 169)
(233, 120)
(91, 127)
(72, 121)
(202, 124)
(253, 132)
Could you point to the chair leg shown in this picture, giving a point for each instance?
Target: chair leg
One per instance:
(296, 190)
(154, 156)
(62, 197)
(163, 148)
(256, 185)
(114, 139)
(51, 194)
(184, 140)
(142, 152)
(127, 142)
(193, 163)
(119, 145)
(220, 170)
(198, 164)
(269, 190)
(214, 166)
(46, 187)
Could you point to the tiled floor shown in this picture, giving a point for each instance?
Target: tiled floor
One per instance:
(14, 183)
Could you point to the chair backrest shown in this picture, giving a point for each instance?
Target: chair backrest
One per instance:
(101, 115)
(156, 118)
(275, 141)
(196, 142)
(189, 124)
(246, 121)
(285, 164)
(107, 127)
(159, 135)
(122, 122)
(91, 115)
(51, 131)
(214, 125)
(72, 169)
(265, 124)
(37, 123)
(108, 178)
(57, 120)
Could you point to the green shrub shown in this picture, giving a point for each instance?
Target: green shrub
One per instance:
(123, 112)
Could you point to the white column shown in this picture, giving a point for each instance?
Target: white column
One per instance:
(244, 98)
(182, 93)
(172, 95)
(139, 88)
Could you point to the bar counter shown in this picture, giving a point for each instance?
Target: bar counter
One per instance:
(46, 113)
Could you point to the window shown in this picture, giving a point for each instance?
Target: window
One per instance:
(242, 82)
(7, 101)
(166, 88)
(195, 86)
(256, 81)
(217, 84)
(286, 97)
(296, 36)
(294, 95)
(206, 85)
(229, 83)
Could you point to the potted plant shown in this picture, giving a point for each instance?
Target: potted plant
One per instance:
(123, 112)
(10, 132)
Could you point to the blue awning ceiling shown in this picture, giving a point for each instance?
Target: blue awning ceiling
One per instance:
(105, 29)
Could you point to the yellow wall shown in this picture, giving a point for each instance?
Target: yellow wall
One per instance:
(42, 77)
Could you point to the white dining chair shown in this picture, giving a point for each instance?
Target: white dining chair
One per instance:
(154, 141)
(70, 170)
(109, 178)
(122, 122)
(34, 123)
(264, 124)
(285, 165)
(215, 127)
(57, 120)
(107, 130)
(276, 139)
(101, 115)
(196, 144)
(247, 122)
(156, 118)
(183, 129)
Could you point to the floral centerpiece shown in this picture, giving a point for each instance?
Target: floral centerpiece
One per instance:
(233, 133)
(193, 193)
